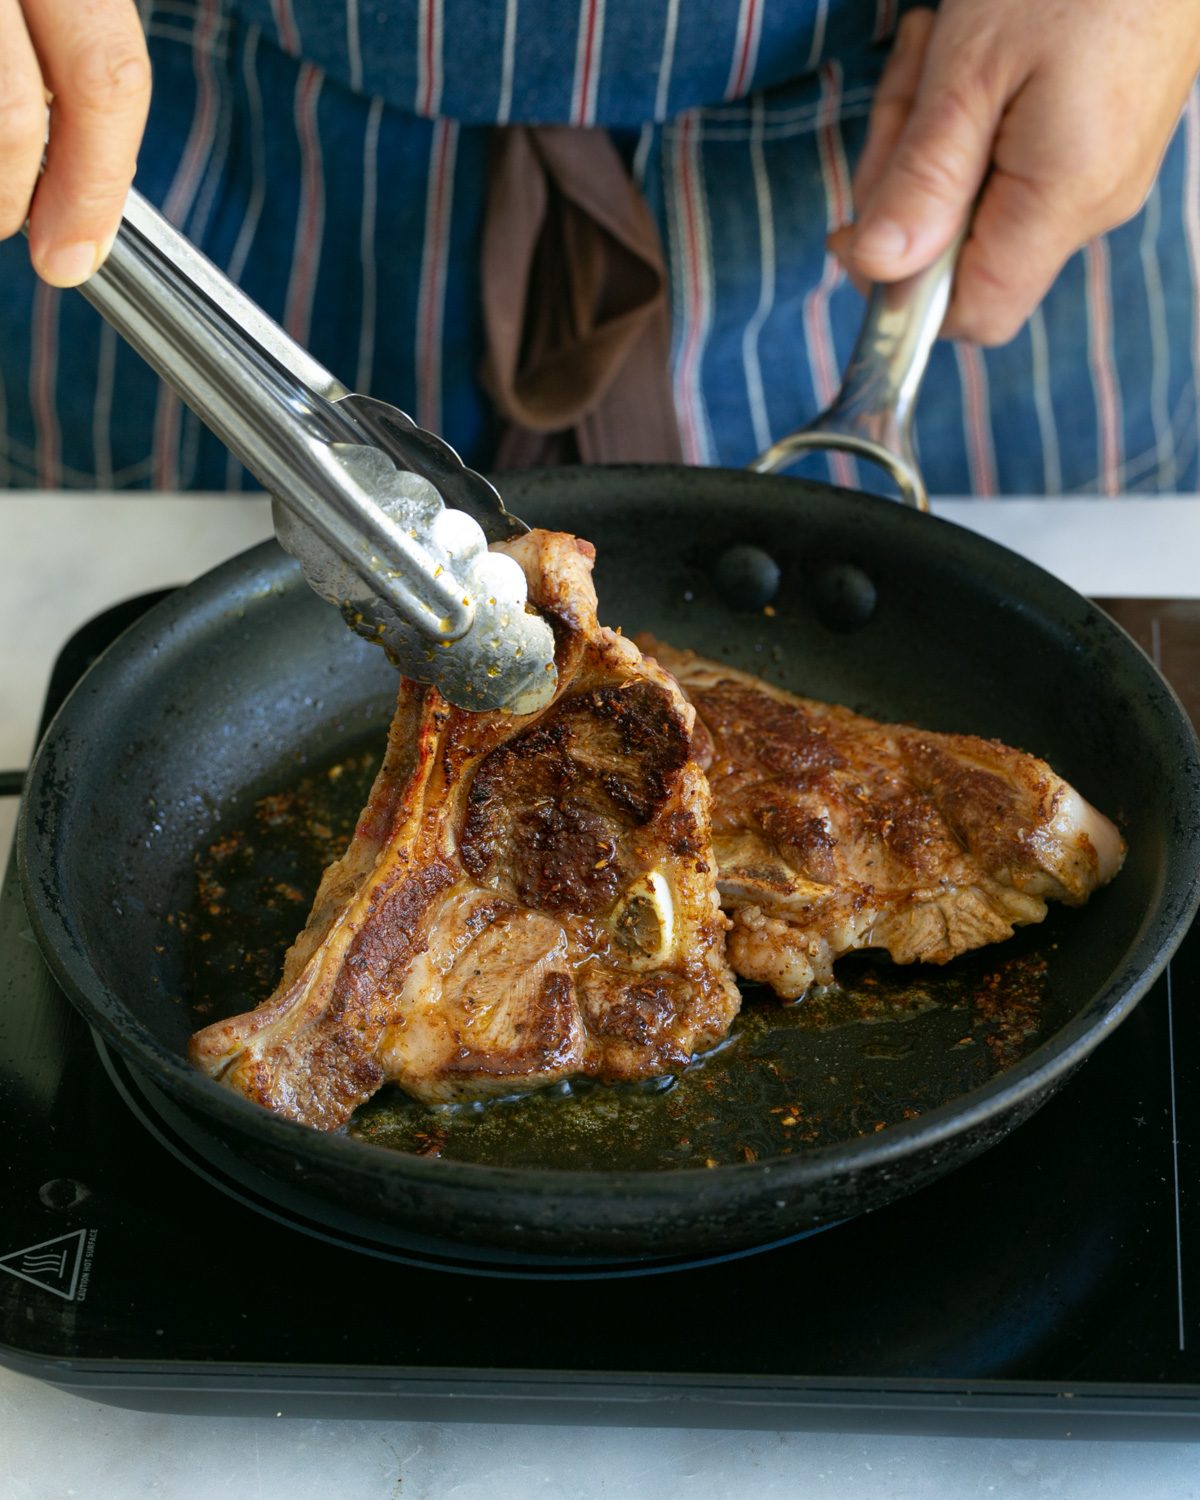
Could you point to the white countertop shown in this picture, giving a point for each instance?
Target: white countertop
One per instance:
(63, 558)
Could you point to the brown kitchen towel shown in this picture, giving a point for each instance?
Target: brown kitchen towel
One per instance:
(574, 305)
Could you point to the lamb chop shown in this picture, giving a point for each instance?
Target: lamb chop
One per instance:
(833, 832)
(525, 899)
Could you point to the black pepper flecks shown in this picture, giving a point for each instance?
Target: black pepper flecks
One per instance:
(255, 883)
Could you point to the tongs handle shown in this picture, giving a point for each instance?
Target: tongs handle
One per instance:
(362, 487)
(269, 401)
(152, 259)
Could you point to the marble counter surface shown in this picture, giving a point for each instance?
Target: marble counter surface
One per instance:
(62, 558)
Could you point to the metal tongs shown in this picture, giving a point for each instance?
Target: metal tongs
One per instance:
(385, 519)
(872, 414)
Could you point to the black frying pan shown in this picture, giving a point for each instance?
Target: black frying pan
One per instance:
(214, 696)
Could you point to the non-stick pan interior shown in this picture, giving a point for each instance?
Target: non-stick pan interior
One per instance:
(245, 677)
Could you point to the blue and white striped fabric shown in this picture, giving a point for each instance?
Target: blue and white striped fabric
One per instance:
(333, 157)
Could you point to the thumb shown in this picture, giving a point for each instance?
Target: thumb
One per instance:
(926, 188)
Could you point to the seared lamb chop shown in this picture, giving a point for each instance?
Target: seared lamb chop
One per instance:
(833, 832)
(526, 899)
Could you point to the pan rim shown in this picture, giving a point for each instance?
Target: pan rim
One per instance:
(1058, 1055)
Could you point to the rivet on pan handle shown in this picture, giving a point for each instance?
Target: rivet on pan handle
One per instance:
(872, 414)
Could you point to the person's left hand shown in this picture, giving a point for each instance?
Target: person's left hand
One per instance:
(86, 63)
(1054, 114)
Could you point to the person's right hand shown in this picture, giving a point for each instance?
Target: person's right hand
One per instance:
(87, 60)
(1051, 119)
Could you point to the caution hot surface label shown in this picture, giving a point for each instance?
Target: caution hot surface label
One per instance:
(61, 1265)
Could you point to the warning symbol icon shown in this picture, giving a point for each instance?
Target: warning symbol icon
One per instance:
(53, 1265)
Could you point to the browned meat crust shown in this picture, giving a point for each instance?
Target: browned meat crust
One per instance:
(524, 899)
(833, 832)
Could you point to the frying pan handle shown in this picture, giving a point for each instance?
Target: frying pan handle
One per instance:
(872, 414)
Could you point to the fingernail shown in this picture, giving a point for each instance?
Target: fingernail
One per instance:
(68, 265)
(883, 240)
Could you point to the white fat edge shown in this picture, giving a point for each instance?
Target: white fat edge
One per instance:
(1078, 848)
(1082, 818)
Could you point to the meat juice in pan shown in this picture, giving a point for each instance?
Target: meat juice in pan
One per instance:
(843, 1062)
(788, 1076)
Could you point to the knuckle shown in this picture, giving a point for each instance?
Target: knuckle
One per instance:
(100, 197)
(1107, 174)
(911, 23)
(939, 174)
(110, 74)
(914, 27)
(991, 302)
(890, 113)
(995, 333)
(1092, 186)
(957, 107)
(1099, 196)
(22, 131)
(12, 218)
(943, 159)
(989, 328)
(22, 122)
(1125, 203)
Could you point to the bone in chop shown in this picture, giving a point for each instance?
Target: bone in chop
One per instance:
(524, 900)
(833, 832)
(531, 899)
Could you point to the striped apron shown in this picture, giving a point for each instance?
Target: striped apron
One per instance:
(333, 158)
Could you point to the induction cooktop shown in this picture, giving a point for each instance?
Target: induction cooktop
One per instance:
(1050, 1287)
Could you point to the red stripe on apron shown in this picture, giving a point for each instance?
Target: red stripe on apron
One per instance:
(981, 457)
(43, 380)
(743, 51)
(885, 19)
(1191, 215)
(818, 329)
(1104, 375)
(176, 206)
(285, 25)
(583, 102)
(433, 275)
(306, 249)
(429, 69)
(695, 298)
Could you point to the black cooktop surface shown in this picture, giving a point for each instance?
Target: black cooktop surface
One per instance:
(1052, 1285)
